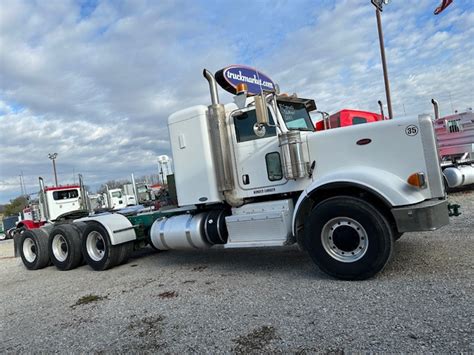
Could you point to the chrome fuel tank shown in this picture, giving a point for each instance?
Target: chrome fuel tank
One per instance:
(189, 231)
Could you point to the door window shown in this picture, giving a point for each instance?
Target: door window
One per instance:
(244, 123)
(273, 162)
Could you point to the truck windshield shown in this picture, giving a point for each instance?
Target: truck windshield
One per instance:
(295, 116)
(65, 194)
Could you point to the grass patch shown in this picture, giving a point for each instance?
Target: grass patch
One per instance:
(168, 294)
(87, 299)
(256, 341)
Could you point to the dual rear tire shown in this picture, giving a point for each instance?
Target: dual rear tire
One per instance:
(68, 245)
(64, 245)
(98, 250)
(33, 247)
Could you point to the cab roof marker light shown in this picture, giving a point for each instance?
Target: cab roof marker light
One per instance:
(242, 88)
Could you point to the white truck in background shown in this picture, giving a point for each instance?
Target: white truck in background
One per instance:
(255, 173)
(455, 135)
(142, 190)
(117, 199)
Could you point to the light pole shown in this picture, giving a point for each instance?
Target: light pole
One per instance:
(378, 9)
(53, 158)
(163, 160)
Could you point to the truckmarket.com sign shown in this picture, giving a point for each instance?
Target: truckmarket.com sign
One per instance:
(229, 77)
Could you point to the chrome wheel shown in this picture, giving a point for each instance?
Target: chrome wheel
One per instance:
(95, 245)
(344, 239)
(29, 250)
(59, 247)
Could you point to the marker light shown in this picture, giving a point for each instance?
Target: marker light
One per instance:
(417, 180)
(241, 88)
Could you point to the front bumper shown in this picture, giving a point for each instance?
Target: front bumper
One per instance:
(425, 216)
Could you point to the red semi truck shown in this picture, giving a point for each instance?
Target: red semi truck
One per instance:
(347, 117)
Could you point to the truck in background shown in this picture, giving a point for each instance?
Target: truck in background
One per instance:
(455, 134)
(254, 173)
(143, 191)
(53, 202)
(117, 199)
(347, 117)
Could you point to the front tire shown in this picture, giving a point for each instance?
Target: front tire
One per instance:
(348, 238)
(97, 248)
(34, 249)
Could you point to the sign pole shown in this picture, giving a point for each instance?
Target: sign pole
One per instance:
(384, 63)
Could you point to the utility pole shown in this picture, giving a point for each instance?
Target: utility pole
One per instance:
(378, 10)
(21, 186)
(53, 157)
(163, 160)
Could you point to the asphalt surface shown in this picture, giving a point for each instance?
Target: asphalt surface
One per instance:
(248, 301)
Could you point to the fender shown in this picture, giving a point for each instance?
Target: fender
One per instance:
(391, 188)
(118, 226)
(28, 224)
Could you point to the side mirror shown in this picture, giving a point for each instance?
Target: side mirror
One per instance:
(261, 110)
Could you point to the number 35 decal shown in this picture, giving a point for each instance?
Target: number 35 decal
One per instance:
(411, 130)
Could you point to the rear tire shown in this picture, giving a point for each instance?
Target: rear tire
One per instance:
(97, 248)
(64, 246)
(126, 250)
(33, 247)
(348, 238)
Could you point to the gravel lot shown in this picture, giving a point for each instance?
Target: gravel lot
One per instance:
(255, 300)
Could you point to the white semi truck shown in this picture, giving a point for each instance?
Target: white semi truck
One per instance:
(254, 173)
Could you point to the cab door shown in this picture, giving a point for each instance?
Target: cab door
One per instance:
(257, 156)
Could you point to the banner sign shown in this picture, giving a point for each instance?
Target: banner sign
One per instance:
(229, 77)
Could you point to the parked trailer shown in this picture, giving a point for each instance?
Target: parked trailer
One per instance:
(455, 134)
(254, 173)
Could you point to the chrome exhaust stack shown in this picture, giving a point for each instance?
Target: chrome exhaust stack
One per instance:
(45, 198)
(219, 138)
(85, 202)
(436, 108)
(107, 195)
(135, 191)
(212, 86)
(381, 109)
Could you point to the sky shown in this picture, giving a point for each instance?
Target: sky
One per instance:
(95, 80)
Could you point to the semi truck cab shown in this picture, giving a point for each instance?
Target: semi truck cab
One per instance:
(279, 182)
